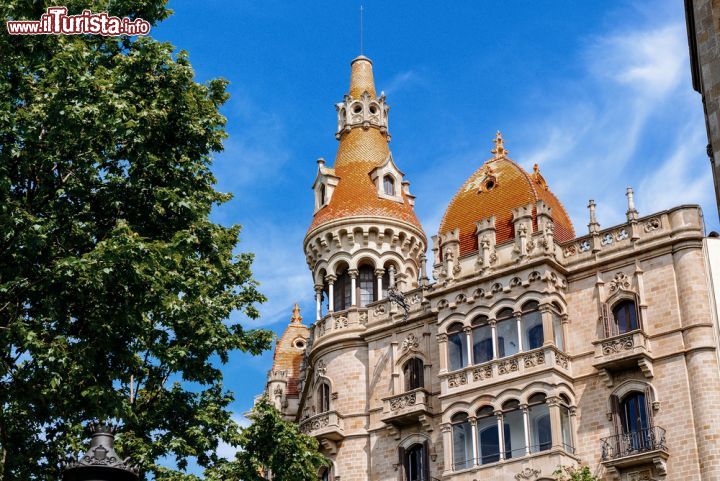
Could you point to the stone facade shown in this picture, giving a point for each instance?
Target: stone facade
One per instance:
(521, 356)
(703, 25)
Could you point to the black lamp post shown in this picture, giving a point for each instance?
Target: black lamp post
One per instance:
(101, 462)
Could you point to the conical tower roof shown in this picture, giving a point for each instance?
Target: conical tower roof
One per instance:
(362, 131)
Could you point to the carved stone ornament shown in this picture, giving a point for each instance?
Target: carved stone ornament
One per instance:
(278, 391)
(508, 366)
(379, 310)
(620, 281)
(315, 424)
(534, 359)
(457, 380)
(528, 473)
(481, 373)
(561, 360)
(321, 368)
(341, 322)
(402, 401)
(410, 342)
(653, 224)
(617, 345)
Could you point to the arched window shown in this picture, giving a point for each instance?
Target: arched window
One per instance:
(482, 340)
(413, 373)
(507, 333)
(366, 285)
(323, 404)
(341, 292)
(565, 426)
(457, 347)
(462, 442)
(389, 185)
(532, 326)
(625, 316)
(539, 423)
(324, 474)
(488, 436)
(416, 463)
(558, 327)
(514, 427)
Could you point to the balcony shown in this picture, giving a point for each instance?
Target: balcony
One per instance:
(623, 351)
(407, 408)
(328, 425)
(635, 449)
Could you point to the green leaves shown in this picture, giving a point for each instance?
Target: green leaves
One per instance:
(271, 444)
(115, 287)
(569, 473)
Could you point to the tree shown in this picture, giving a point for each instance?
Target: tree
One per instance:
(271, 445)
(569, 473)
(115, 286)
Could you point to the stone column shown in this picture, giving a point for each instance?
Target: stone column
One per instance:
(518, 317)
(468, 342)
(555, 421)
(379, 274)
(501, 433)
(318, 301)
(547, 323)
(446, 430)
(493, 327)
(526, 426)
(473, 431)
(353, 286)
(331, 292)
(442, 352)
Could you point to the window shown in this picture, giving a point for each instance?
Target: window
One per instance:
(324, 474)
(413, 372)
(416, 463)
(488, 436)
(323, 195)
(462, 442)
(558, 330)
(341, 292)
(366, 281)
(323, 405)
(514, 427)
(539, 422)
(508, 343)
(532, 326)
(389, 185)
(625, 316)
(565, 423)
(482, 340)
(457, 347)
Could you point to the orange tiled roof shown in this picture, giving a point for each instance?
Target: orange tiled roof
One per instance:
(360, 151)
(287, 357)
(512, 187)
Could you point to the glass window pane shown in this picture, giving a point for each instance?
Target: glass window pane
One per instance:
(565, 426)
(540, 434)
(457, 350)
(514, 434)
(462, 446)
(507, 337)
(366, 284)
(488, 440)
(532, 330)
(482, 344)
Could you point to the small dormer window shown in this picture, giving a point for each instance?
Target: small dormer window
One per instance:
(323, 195)
(389, 185)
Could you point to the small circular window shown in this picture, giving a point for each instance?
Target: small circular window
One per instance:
(357, 109)
(373, 109)
(489, 184)
(299, 343)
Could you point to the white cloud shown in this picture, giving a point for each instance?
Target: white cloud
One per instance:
(399, 81)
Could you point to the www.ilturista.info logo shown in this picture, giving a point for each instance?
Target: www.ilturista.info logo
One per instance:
(57, 22)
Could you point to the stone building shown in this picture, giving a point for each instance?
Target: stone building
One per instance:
(532, 348)
(703, 28)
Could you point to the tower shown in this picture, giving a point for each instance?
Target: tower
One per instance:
(364, 235)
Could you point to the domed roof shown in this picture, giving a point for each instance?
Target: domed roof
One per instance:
(495, 189)
(362, 148)
(289, 351)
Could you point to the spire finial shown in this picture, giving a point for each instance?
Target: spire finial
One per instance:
(632, 213)
(296, 317)
(499, 150)
(593, 226)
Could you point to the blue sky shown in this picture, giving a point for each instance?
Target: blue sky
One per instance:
(598, 93)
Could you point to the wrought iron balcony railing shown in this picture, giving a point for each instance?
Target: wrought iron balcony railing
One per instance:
(633, 443)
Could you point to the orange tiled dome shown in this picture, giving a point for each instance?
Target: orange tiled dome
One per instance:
(496, 188)
(361, 150)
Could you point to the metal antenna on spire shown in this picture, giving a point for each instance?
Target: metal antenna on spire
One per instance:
(361, 28)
